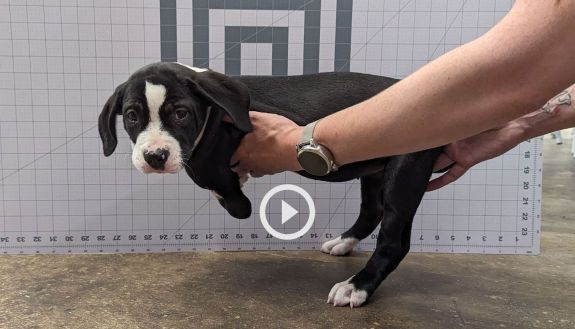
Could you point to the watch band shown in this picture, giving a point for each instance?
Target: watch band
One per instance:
(307, 134)
(308, 145)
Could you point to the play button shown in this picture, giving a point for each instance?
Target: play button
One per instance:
(287, 211)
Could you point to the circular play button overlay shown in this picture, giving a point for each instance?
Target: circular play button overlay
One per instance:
(287, 211)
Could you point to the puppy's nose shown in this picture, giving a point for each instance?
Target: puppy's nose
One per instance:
(157, 159)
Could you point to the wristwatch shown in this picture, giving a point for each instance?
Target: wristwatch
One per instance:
(314, 158)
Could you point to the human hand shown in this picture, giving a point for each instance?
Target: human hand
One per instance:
(468, 152)
(270, 148)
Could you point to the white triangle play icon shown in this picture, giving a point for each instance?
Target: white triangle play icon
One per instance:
(287, 212)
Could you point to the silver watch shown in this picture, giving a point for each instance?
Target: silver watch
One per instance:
(314, 158)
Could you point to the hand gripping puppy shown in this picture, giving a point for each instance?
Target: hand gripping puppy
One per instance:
(174, 115)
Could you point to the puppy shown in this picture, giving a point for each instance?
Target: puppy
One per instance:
(174, 115)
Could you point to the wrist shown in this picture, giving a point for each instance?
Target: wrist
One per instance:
(519, 129)
(292, 139)
(319, 138)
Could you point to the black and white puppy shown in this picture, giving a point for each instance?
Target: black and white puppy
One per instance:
(174, 115)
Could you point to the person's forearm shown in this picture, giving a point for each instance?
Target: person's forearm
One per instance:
(557, 114)
(510, 71)
(462, 155)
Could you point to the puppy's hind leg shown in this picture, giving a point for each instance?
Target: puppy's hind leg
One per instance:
(370, 214)
(406, 179)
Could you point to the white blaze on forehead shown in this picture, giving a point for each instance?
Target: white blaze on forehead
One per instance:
(155, 97)
(196, 69)
(153, 137)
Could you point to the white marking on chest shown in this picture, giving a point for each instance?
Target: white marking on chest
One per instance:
(196, 69)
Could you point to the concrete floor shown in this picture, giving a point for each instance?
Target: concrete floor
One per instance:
(289, 289)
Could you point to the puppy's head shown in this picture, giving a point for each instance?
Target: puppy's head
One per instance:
(165, 109)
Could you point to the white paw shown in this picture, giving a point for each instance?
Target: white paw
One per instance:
(344, 293)
(339, 246)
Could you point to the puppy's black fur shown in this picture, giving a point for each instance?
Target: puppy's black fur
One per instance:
(391, 187)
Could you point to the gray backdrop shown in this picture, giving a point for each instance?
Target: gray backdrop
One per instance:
(61, 59)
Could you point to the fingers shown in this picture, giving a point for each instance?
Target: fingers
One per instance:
(236, 164)
(242, 165)
(260, 152)
(240, 160)
(449, 177)
(234, 161)
(256, 174)
(240, 169)
(442, 162)
(243, 170)
(256, 117)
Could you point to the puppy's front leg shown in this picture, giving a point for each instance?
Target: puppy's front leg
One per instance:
(370, 214)
(228, 191)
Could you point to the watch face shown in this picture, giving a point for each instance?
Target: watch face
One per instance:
(313, 163)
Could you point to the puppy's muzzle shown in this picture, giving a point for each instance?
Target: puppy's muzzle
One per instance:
(157, 159)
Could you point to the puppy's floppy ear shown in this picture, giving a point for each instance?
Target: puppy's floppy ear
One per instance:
(107, 120)
(229, 94)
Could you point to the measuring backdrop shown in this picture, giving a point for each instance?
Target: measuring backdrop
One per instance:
(61, 59)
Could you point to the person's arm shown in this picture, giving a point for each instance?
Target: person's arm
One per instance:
(558, 113)
(508, 72)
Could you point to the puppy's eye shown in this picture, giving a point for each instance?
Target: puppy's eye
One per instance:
(181, 114)
(132, 115)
